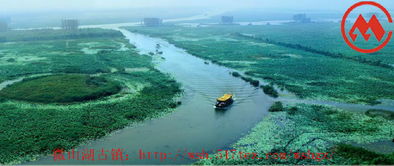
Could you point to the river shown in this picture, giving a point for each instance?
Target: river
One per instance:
(193, 126)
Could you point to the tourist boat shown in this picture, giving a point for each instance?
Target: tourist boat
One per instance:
(224, 101)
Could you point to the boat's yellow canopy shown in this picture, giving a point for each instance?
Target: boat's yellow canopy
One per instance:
(225, 97)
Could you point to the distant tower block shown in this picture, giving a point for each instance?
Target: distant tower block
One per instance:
(70, 24)
(227, 19)
(3, 26)
(152, 22)
(301, 18)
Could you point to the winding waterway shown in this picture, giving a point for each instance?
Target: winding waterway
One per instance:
(195, 125)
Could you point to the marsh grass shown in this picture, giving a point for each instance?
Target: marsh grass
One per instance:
(270, 90)
(30, 129)
(302, 127)
(50, 34)
(315, 72)
(61, 89)
(276, 107)
(361, 156)
(380, 113)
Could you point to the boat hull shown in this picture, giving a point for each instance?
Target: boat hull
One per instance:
(224, 104)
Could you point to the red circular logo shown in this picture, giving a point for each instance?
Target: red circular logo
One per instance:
(363, 26)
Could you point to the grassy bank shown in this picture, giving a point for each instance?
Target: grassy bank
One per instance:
(380, 113)
(305, 70)
(76, 69)
(318, 129)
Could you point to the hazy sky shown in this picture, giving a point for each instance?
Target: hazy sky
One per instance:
(43, 5)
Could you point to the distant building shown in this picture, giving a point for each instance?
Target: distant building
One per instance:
(3, 26)
(4, 21)
(227, 20)
(153, 22)
(301, 18)
(70, 24)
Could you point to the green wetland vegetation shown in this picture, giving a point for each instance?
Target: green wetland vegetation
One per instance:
(50, 34)
(291, 57)
(73, 87)
(61, 89)
(382, 113)
(270, 90)
(319, 129)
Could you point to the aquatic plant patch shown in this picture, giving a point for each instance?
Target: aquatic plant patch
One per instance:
(67, 88)
(311, 128)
